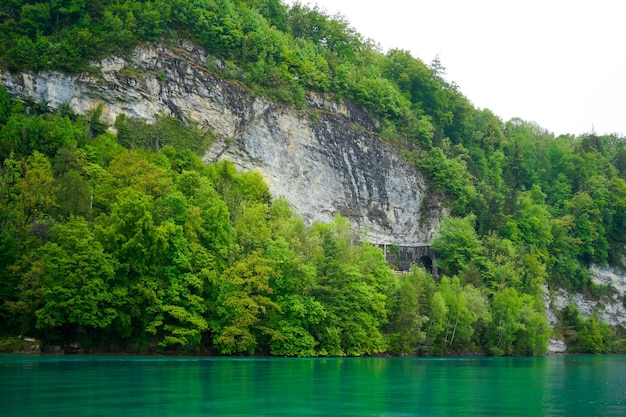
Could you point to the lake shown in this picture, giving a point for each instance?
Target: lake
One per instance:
(49, 385)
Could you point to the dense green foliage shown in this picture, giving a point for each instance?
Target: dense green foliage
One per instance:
(129, 241)
(136, 249)
(133, 249)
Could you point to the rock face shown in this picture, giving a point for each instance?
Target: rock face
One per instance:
(324, 159)
(609, 308)
(605, 275)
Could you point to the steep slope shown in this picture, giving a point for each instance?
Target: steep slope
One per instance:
(324, 160)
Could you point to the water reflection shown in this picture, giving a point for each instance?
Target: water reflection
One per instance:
(109, 386)
(587, 384)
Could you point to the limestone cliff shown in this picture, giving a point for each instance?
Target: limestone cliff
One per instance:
(324, 159)
(611, 307)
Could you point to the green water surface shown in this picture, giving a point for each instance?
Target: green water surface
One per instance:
(571, 386)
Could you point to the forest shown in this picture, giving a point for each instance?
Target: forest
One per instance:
(119, 245)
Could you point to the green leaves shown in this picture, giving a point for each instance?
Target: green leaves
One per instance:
(408, 312)
(352, 289)
(457, 245)
(518, 327)
(383, 98)
(243, 302)
(148, 247)
(448, 176)
(69, 280)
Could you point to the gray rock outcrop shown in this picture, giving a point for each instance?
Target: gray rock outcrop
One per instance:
(610, 308)
(611, 276)
(325, 159)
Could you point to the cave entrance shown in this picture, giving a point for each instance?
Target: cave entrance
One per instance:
(427, 262)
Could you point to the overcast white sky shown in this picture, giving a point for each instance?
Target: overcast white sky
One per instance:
(561, 64)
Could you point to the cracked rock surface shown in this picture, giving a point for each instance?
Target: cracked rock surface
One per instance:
(324, 159)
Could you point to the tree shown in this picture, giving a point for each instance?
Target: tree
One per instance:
(73, 196)
(584, 335)
(208, 220)
(351, 292)
(164, 268)
(243, 306)
(235, 188)
(407, 319)
(6, 106)
(300, 312)
(135, 170)
(457, 245)
(518, 326)
(68, 285)
(533, 221)
(587, 227)
(465, 306)
(503, 264)
(449, 176)
(181, 276)
(35, 191)
(165, 131)
(437, 324)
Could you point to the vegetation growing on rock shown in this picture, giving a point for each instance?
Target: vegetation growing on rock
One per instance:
(128, 241)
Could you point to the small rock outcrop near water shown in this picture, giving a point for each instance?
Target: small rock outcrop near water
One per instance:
(20, 344)
(324, 159)
(610, 308)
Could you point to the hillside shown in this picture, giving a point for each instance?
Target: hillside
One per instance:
(176, 255)
(321, 159)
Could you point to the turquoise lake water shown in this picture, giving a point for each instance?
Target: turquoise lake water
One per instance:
(76, 386)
